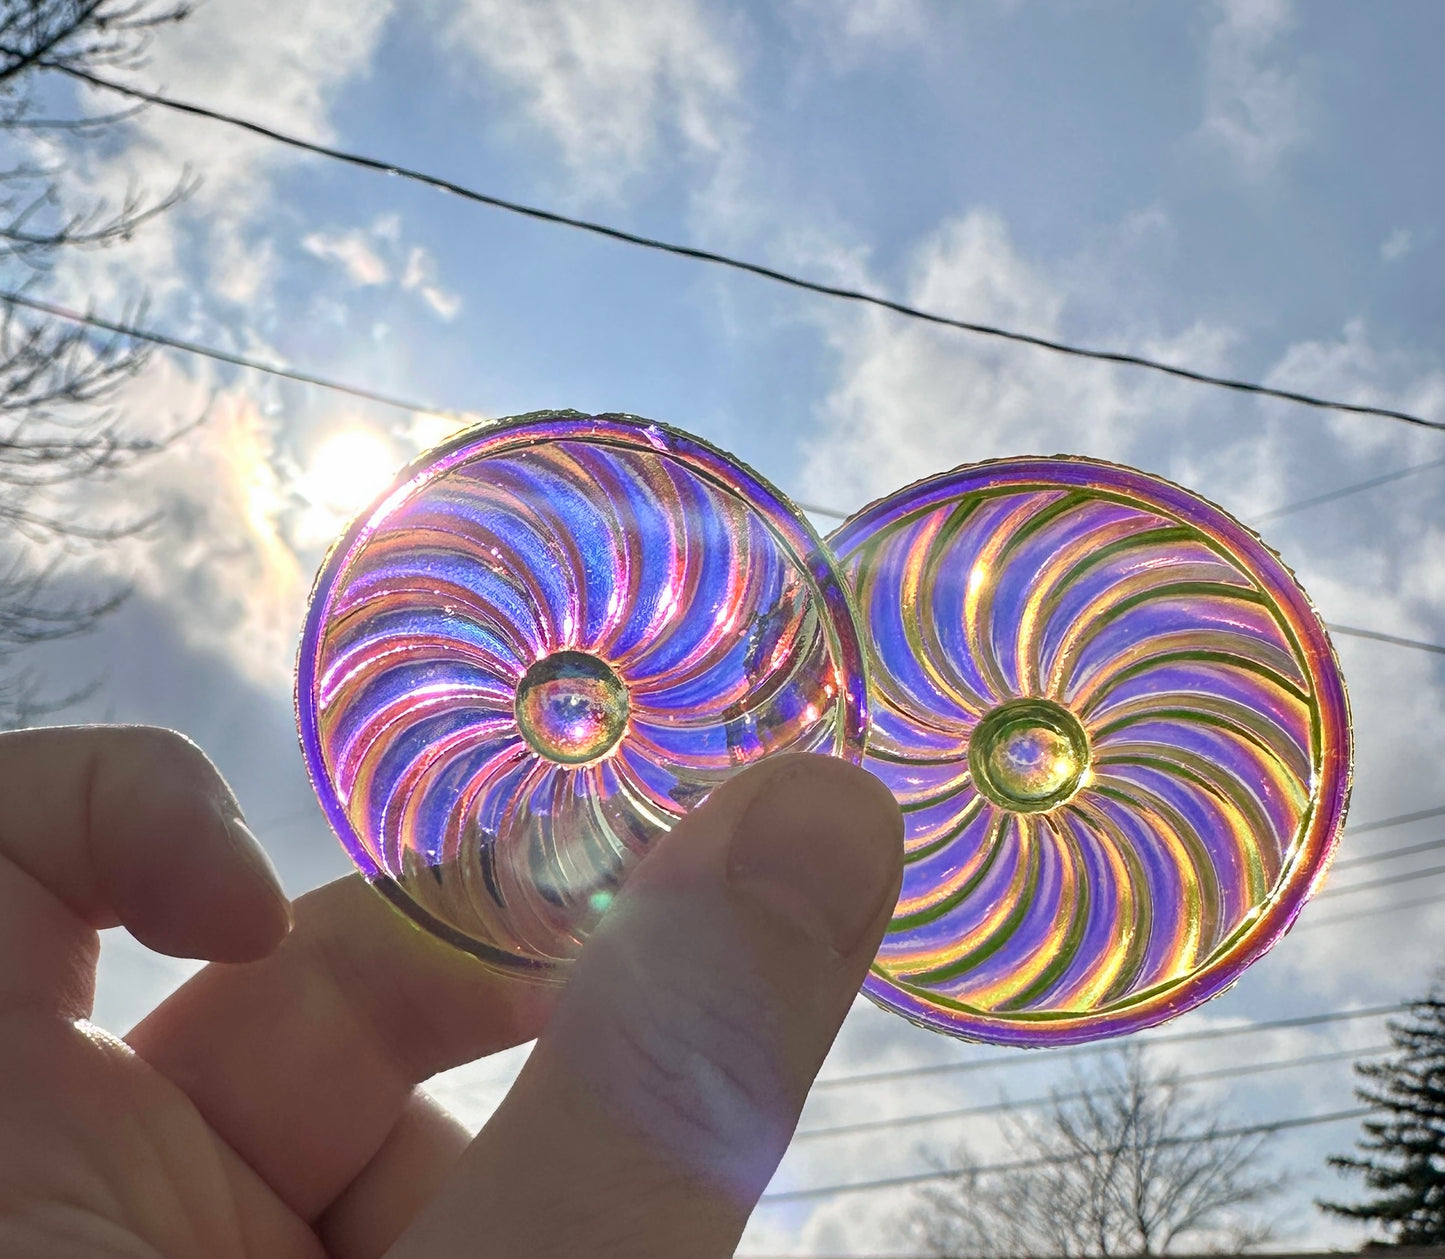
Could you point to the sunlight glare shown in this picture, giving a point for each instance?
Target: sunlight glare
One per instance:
(349, 469)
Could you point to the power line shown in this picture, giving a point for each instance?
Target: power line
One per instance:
(1174, 1038)
(1391, 855)
(1287, 510)
(238, 360)
(224, 356)
(822, 511)
(404, 404)
(1353, 632)
(1188, 1036)
(1345, 491)
(919, 1178)
(1034, 1103)
(1390, 907)
(739, 264)
(1388, 880)
(1398, 820)
(825, 290)
(1348, 630)
(408, 405)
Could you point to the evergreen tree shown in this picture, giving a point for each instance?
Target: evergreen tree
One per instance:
(1403, 1150)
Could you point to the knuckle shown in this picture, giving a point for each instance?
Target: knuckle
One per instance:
(171, 756)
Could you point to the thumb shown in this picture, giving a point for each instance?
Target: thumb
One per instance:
(656, 1106)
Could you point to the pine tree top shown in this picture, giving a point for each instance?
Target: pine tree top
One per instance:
(1402, 1149)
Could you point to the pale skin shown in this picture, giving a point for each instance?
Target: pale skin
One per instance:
(270, 1108)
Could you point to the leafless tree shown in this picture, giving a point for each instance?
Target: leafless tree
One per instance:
(1125, 1164)
(58, 383)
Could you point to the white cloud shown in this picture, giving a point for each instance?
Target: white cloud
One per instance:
(857, 27)
(375, 256)
(913, 399)
(353, 251)
(910, 400)
(220, 562)
(218, 559)
(275, 62)
(1253, 102)
(608, 80)
(420, 277)
(1353, 369)
(1397, 244)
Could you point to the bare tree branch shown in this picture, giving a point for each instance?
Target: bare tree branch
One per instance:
(86, 33)
(1130, 1168)
(59, 422)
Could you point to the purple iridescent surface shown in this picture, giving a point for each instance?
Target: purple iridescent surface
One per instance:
(1120, 737)
(546, 643)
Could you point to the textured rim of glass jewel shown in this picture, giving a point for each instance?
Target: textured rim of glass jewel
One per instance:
(782, 519)
(1317, 834)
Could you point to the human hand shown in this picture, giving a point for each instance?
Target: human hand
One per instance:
(269, 1109)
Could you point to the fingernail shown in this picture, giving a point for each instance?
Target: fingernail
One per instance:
(822, 844)
(256, 858)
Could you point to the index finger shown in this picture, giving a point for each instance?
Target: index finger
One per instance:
(105, 825)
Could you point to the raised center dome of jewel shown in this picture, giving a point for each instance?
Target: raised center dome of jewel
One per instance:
(1028, 755)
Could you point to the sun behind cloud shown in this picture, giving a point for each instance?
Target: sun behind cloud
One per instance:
(348, 470)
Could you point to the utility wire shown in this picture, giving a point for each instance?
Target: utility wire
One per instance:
(1400, 819)
(832, 512)
(1389, 907)
(224, 356)
(1228, 1072)
(1388, 880)
(1345, 491)
(902, 309)
(920, 1178)
(1350, 631)
(1287, 510)
(1391, 854)
(1034, 1103)
(739, 264)
(1376, 636)
(308, 378)
(390, 400)
(1176, 1038)
(1188, 1036)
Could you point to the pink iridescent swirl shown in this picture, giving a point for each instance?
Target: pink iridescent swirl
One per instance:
(551, 639)
(1120, 737)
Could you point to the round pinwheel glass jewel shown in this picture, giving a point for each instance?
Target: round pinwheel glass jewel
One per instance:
(545, 644)
(1119, 735)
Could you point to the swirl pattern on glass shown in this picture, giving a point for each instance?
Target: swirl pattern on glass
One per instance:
(1119, 735)
(551, 639)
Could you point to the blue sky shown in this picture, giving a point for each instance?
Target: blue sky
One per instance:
(1248, 186)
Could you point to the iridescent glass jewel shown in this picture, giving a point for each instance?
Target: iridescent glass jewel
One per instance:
(549, 640)
(1119, 735)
